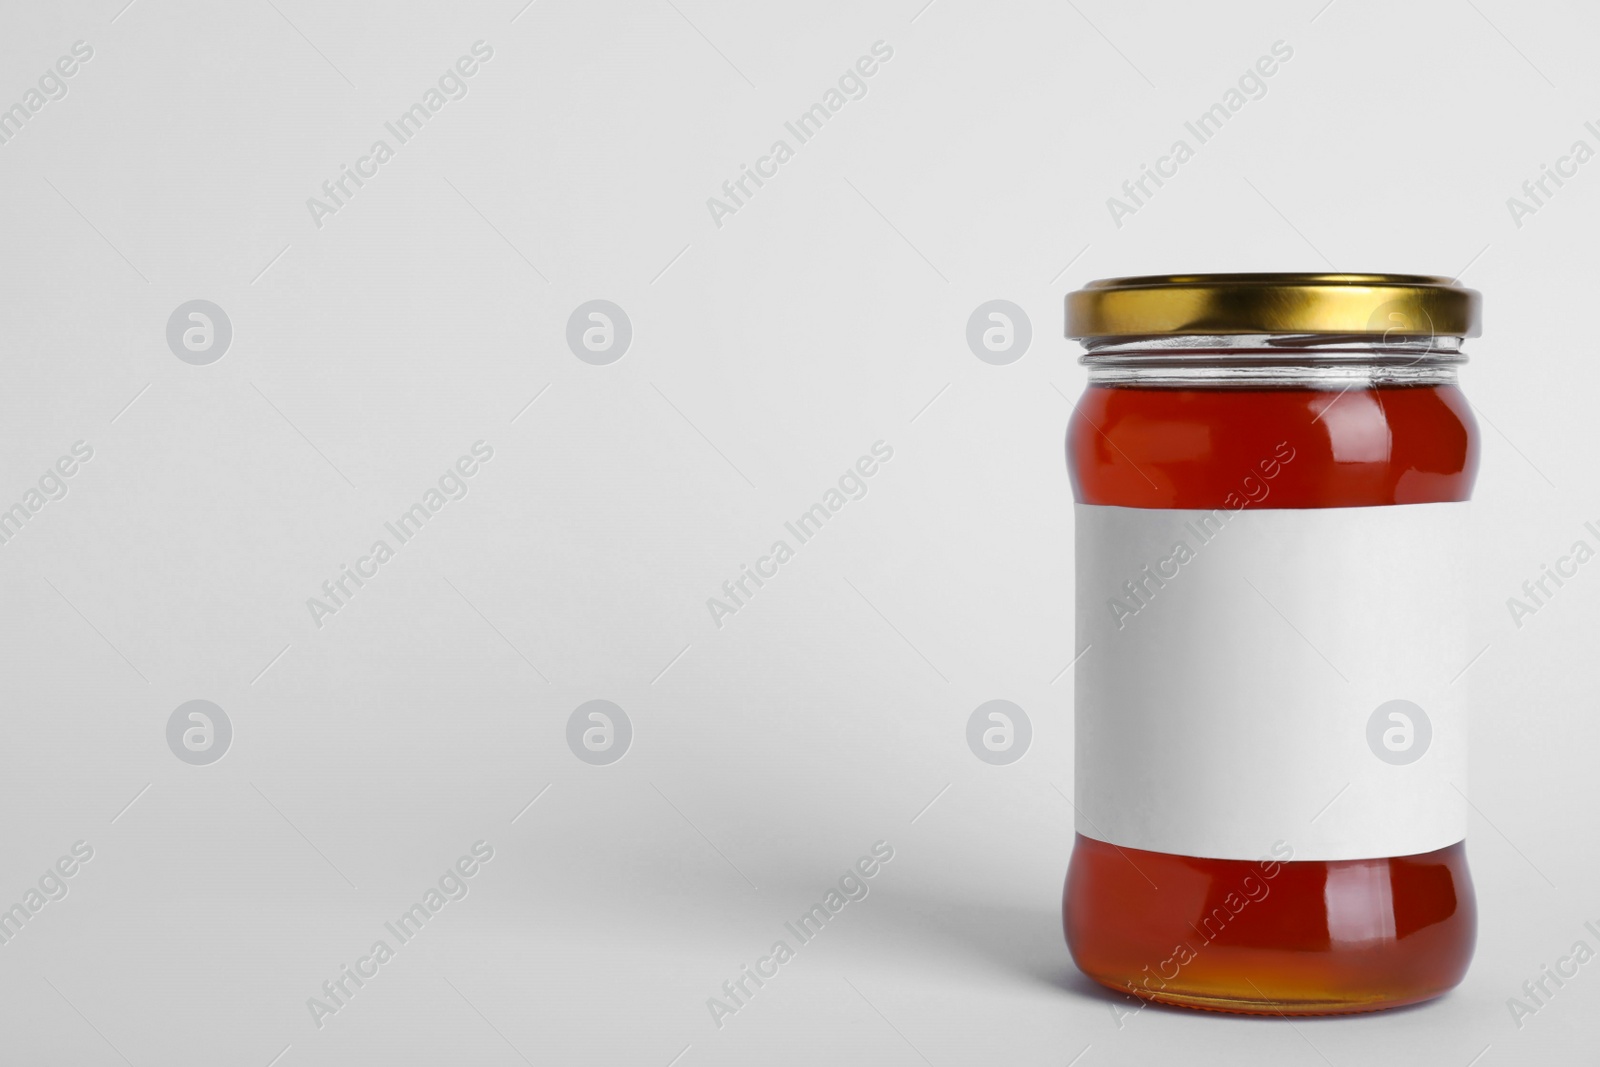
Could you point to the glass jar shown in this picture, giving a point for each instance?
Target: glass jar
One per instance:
(1270, 474)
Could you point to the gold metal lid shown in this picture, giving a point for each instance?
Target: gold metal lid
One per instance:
(1359, 305)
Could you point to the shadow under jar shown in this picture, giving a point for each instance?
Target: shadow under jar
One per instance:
(1270, 473)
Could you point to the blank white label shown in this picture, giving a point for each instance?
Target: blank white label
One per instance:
(1256, 676)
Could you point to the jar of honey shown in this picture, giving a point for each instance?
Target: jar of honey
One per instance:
(1271, 474)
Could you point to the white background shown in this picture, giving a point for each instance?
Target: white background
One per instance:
(768, 354)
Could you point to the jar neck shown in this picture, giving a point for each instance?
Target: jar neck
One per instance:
(1285, 360)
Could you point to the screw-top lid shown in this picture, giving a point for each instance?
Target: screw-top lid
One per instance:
(1357, 305)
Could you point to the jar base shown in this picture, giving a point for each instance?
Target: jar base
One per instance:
(1268, 1007)
(1271, 937)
